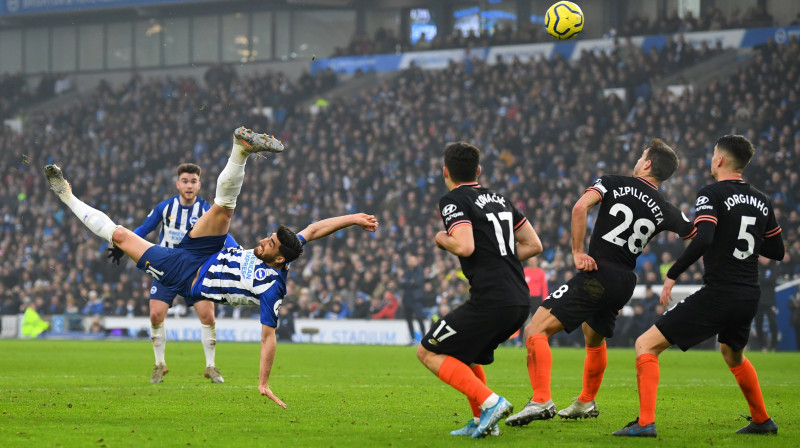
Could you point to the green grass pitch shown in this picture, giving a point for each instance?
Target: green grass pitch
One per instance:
(97, 394)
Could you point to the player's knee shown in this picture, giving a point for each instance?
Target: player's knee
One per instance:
(119, 236)
(732, 358)
(156, 318)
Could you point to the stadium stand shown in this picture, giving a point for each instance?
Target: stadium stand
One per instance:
(546, 129)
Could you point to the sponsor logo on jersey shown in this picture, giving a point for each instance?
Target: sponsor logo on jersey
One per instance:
(701, 200)
(153, 290)
(449, 218)
(193, 220)
(261, 274)
(433, 342)
(449, 208)
(248, 265)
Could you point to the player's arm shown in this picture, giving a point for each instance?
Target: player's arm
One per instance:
(773, 248)
(528, 242)
(269, 344)
(459, 241)
(580, 215)
(152, 220)
(325, 227)
(773, 242)
(701, 242)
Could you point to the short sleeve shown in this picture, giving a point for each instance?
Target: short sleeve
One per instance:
(270, 302)
(600, 186)
(453, 214)
(705, 207)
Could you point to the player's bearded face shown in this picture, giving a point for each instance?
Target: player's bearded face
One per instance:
(267, 249)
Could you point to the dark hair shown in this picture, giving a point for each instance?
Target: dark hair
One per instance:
(462, 160)
(663, 160)
(190, 168)
(290, 247)
(739, 147)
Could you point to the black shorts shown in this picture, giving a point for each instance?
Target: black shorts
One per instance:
(471, 333)
(593, 297)
(711, 311)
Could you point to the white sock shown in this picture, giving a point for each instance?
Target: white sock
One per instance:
(477, 420)
(491, 401)
(209, 339)
(98, 222)
(159, 338)
(229, 182)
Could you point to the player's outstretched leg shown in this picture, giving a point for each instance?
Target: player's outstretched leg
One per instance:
(229, 182)
(98, 222)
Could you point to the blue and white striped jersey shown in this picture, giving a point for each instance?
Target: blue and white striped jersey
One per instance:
(175, 220)
(237, 277)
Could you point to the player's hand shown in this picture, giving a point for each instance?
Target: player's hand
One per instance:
(666, 291)
(115, 254)
(367, 222)
(265, 390)
(440, 235)
(584, 262)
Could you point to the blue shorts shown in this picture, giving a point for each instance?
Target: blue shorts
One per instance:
(163, 294)
(175, 267)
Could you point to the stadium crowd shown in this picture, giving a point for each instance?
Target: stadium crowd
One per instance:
(714, 18)
(385, 41)
(546, 131)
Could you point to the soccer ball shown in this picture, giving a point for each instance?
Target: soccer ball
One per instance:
(563, 20)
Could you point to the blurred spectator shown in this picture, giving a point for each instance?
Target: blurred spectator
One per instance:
(361, 309)
(411, 281)
(767, 306)
(94, 306)
(794, 318)
(388, 308)
(285, 330)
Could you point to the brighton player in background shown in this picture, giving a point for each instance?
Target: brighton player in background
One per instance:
(176, 216)
(735, 224)
(491, 238)
(201, 267)
(632, 212)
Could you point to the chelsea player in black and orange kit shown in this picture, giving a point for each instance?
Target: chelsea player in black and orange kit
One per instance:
(632, 212)
(735, 224)
(491, 238)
